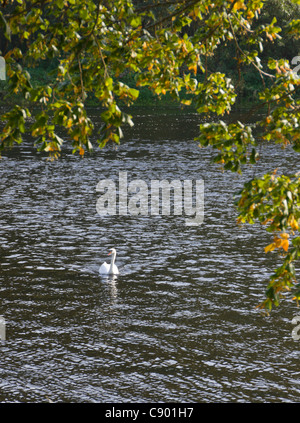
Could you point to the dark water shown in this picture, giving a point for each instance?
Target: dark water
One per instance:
(179, 323)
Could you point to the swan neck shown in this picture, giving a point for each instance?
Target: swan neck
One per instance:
(112, 260)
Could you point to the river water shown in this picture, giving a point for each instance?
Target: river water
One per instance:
(179, 323)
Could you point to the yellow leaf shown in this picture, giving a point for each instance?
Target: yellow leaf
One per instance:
(186, 102)
(239, 5)
(193, 67)
(285, 244)
(281, 242)
(294, 224)
(270, 247)
(277, 242)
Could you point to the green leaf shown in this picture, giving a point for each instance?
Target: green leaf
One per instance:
(4, 24)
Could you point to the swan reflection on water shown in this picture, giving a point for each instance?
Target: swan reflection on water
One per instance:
(111, 283)
(108, 272)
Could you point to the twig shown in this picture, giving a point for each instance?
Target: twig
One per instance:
(178, 12)
(81, 79)
(101, 56)
(244, 54)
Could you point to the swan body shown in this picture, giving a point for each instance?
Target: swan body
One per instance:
(104, 268)
(110, 269)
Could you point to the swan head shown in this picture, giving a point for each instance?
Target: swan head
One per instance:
(112, 251)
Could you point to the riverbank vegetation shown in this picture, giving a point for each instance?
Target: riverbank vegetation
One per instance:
(246, 80)
(62, 56)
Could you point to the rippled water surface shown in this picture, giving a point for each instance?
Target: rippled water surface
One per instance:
(179, 323)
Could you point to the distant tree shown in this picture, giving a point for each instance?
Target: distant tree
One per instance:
(170, 47)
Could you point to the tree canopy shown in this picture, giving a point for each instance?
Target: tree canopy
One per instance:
(170, 47)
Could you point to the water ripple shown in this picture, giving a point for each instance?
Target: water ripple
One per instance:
(179, 322)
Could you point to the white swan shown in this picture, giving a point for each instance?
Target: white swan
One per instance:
(110, 269)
